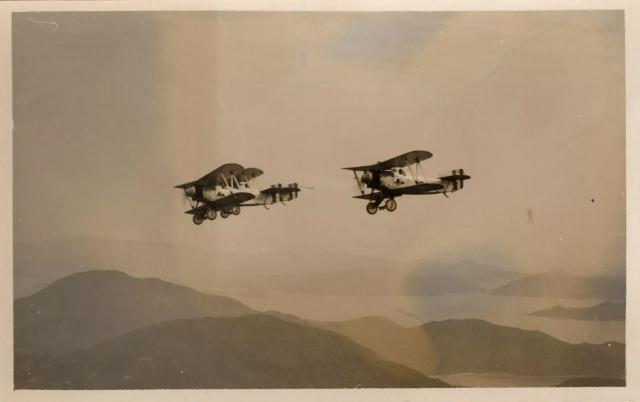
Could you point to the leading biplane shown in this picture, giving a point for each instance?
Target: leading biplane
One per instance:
(229, 188)
(402, 175)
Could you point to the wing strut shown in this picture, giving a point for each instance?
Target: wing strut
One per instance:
(413, 176)
(358, 181)
(224, 180)
(421, 170)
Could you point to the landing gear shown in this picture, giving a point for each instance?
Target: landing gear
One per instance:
(211, 214)
(198, 219)
(391, 205)
(373, 206)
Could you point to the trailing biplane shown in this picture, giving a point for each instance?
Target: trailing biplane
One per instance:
(402, 175)
(229, 188)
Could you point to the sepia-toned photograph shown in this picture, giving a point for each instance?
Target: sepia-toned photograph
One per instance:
(318, 199)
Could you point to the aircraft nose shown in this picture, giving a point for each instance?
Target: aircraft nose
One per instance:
(366, 177)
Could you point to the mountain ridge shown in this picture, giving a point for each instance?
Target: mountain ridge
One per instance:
(559, 284)
(605, 311)
(250, 351)
(52, 323)
(478, 346)
(83, 308)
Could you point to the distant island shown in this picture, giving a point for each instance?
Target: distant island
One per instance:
(564, 285)
(605, 311)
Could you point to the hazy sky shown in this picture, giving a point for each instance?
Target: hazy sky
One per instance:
(111, 110)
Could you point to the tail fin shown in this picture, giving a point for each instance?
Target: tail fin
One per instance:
(457, 177)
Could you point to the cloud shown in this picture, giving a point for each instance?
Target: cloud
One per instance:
(376, 37)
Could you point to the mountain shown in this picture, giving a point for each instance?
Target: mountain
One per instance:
(37, 264)
(391, 341)
(476, 346)
(468, 346)
(253, 351)
(87, 310)
(82, 309)
(605, 311)
(432, 278)
(563, 285)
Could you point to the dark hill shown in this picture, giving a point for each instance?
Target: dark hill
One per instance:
(606, 311)
(254, 351)
(393, 342)
(476, 346)
(82, 309)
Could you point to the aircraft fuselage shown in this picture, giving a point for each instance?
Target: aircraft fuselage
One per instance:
(398, 179)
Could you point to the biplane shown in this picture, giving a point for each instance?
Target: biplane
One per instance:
(402, 175)
(229, 188)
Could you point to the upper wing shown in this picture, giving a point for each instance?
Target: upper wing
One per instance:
(398, 161)
(250, 174)
(406, 159)
(364, 168)
(214, 177)
(186, 185)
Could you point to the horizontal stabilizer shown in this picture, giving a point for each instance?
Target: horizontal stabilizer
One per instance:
(455, 177)
(279, 189)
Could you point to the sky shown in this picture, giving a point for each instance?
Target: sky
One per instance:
(111, 110)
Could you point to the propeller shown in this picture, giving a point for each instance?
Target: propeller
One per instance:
(455, 182)
(186, 200)
(357, 187)
(192, 194)
(461, 180)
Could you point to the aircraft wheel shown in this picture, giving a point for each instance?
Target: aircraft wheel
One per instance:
(235, 210)
(198, 219)
(391, 205)
(372, 208)
(224, 214)
(211, 214)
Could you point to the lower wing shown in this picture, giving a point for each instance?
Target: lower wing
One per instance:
(228, 201)
(371, 196)
(422, 188)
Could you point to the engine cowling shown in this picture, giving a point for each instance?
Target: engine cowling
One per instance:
(367, 178)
